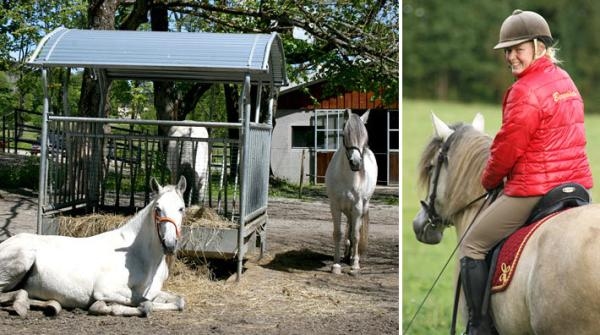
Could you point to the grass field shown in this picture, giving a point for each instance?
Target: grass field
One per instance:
(421, 263)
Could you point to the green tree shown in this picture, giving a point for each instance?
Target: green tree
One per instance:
(23, 24)
(7, 97)
(354, 44)
(448, 49)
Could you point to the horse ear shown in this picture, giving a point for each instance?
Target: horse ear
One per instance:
(154, 185)
(478, 122)
(441, 129)
(365, 116)
(347, 114)
(182, 184)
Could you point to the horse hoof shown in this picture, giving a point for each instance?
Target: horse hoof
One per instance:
(336, 269)
(146, 308)
(99, 307)
(21, 308)
(355, 272)
(52, 308)
(21, 303)
(180, 303)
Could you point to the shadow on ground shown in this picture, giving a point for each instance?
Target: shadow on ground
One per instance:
(304, 260)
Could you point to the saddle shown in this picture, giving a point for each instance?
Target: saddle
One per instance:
(557, 200)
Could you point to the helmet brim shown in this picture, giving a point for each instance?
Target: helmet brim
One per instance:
(511, 43)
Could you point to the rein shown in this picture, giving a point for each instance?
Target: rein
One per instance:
(488, 196)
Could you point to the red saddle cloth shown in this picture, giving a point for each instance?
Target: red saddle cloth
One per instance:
(510, 252)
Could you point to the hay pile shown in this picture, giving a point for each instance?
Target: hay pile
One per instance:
(89, 225)
(196, 216)
(94, 224)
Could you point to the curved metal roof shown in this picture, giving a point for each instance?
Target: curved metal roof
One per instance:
(210, 57)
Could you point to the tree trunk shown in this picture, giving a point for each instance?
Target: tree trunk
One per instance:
(163, 89)
(101, 16)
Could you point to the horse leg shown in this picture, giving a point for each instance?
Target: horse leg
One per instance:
(354, 224)
(348, 242)
(19, 299)
(110, 300)
(101, 307)
(337, 240)
(50, 307)
(166, 301)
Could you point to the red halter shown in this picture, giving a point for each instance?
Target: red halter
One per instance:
(159, 219)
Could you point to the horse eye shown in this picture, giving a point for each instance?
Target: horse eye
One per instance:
(181, 209)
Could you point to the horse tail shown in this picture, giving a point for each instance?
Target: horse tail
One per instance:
(363, 240)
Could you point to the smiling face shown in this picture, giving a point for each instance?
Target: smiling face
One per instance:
(520, 56)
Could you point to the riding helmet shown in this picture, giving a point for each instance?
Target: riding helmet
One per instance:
(523, 26)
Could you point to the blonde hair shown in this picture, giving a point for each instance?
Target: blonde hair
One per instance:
(550, 52)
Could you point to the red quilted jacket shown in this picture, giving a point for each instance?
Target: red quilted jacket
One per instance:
(541, 143)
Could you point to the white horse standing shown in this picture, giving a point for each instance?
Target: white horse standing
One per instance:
(119, 272)
(189, 158)
(350, 179)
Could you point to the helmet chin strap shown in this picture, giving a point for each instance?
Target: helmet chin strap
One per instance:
(535, 50)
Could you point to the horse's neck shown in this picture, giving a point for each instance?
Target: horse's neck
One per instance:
(139, 228)
(135, 225)
(464, 220)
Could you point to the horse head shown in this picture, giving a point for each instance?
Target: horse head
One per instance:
(355, 138)
(445, 167)
(169, 210)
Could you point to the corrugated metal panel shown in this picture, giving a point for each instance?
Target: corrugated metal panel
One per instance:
(163, 55)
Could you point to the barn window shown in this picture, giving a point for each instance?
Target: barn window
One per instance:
(302, 136)
(328, 128)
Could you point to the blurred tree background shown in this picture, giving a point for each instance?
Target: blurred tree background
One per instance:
(352, 43)
(448, 55)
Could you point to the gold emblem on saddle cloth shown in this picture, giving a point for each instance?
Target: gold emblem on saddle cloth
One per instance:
(505, 268)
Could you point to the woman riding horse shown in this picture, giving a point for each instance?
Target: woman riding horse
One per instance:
(540, 145)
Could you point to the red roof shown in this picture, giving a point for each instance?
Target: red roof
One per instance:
(296, 98)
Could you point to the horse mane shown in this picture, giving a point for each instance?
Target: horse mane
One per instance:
(355, 131)
(467, 157)
(135, 223)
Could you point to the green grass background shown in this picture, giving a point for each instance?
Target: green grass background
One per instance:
(421, 263)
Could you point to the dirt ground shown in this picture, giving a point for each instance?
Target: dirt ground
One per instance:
(289, 291)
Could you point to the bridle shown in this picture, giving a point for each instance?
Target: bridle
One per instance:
(350, 148)
(434, 219)
(160, 219)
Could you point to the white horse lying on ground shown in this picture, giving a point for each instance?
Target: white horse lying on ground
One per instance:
(119, 272)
